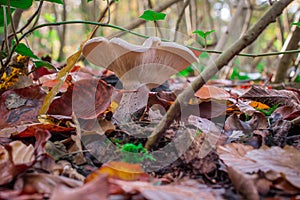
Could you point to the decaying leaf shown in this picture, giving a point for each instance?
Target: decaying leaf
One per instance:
(272, 97)
(285, 161)
(167, 192)
(243, 183)
(20, 105)
(96, 189)
(87, 98)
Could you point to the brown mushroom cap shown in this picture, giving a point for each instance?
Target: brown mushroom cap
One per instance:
(151, 63)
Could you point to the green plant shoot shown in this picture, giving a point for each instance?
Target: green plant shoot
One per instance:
(150, 15)
(132, 153)
(297, 24)
(203, 35)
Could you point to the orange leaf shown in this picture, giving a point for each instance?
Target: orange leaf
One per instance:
(258, 105)
(120, 170)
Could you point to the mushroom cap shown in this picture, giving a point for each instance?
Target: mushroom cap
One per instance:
(151, 63)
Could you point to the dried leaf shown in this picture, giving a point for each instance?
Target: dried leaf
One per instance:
(272, 97)
(165, 192)
(285, 161)
(86, 98)
(120, 170)
(96, 189)
(20, 105)
(243, 184)
(43, 183)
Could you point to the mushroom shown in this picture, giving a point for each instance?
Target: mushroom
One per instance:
(139, 67)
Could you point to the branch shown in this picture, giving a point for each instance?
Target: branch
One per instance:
(182, 99)
(138, 22)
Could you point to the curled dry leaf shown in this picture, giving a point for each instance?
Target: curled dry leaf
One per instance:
(284, 161)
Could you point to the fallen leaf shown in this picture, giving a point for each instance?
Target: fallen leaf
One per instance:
(272, 97)
(43, 183)
(86, 98)
(243, 184)
(96, 189)
(165, 192)
(285, 161)
(120, 170)
(20, 105)
(287, 112)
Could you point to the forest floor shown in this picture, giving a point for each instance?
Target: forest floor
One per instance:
(234, 140)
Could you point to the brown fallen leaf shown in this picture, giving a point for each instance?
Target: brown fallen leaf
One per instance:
(285, 161)
(165, 192)
(20, 105)
(272, 97)
(87, 98)
(96, 189)
(243, 183)
(30, 183)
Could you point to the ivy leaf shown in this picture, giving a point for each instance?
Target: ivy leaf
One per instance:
(150, 15)
(23, 50)
(297, 24)
(23, 4)
(42, 63)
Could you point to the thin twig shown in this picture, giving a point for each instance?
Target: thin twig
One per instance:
(180, 18)
(12, 22)
(5, 29)
(144, 36)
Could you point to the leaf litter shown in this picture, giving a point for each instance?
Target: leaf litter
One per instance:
(65, 154)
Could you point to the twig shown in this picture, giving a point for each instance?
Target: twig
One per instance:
(182, 99)
(12, 22)
(143, 36)
(180, 18)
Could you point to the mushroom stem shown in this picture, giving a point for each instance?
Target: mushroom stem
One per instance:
(130, 103)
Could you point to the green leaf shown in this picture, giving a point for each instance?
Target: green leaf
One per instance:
(23, 4)
(56, 1)
(42, 63)
(297, 24)
(7, 16)
(202, 33)
(150, 15)
(209, 32)
(88, 1)
(22, 49)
